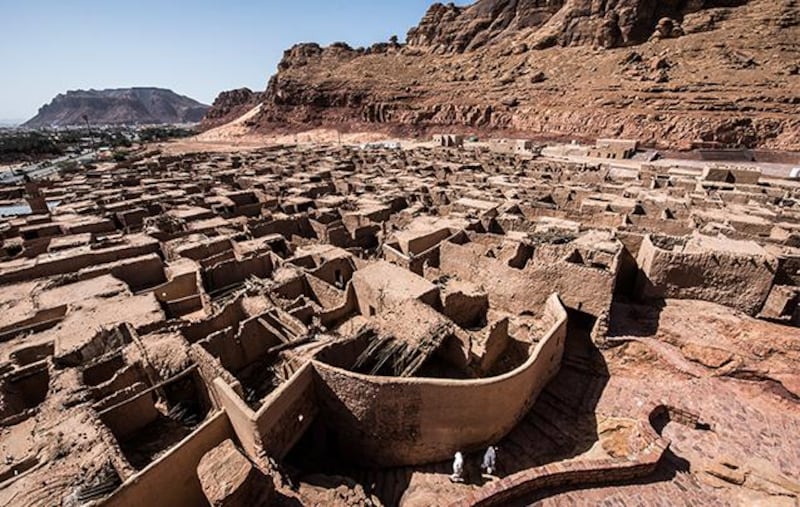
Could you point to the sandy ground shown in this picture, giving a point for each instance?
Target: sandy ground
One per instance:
(236, 136)
(230, 131)
(234, 140)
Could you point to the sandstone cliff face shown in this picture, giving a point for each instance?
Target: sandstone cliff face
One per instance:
(666, 72)
(448, 29)
(544, 23)
(230, 105)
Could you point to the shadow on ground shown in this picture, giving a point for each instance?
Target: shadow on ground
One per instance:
(637, 320)
(562, 423)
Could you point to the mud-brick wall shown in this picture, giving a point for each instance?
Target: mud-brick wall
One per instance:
(373, 295)
(202, 251)
(349, 307)
(180, 287)
(287, 413)
(280, 422)
(232, 272)
(139, 273)
(393, 422)
(241, 417)
(735, 280)
(73, 264)
(286, 227)
(583, 288)
(172, 479)
(126, 420)
(229, 317)
(328, 271)
(210, 368)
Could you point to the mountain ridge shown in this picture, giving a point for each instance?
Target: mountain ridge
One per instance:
(117, 106)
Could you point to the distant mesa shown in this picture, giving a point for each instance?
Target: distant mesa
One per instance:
(124, 106)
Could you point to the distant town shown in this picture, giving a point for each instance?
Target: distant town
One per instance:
(20, 145)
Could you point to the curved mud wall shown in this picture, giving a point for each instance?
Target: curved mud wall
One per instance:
(393, 422)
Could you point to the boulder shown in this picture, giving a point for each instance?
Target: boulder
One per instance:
(229, 479)
(667, 28)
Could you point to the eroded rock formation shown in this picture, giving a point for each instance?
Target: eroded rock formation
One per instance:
(230, 105)
(448, 28)
(562, 69)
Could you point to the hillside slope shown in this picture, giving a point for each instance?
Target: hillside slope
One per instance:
(128, 106)
(229, 106)
(667, 73)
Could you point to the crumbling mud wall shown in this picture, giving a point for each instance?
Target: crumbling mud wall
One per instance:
(226, 274)
(287, 413)
(427, 420)
(349, 306)
(172, 479)
(280, 422)
(242, 418)
(527, 290)
(139, 273)
(135, 246)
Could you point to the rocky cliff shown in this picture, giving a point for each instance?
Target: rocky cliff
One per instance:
(545, 23)
(128, 106)
(666, 72)
(230, 105)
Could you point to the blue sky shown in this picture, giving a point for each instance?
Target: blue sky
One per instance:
(196, 48)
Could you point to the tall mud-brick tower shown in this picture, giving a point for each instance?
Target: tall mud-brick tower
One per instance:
(35, 198)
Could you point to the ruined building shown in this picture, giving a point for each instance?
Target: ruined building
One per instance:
(330, 325)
